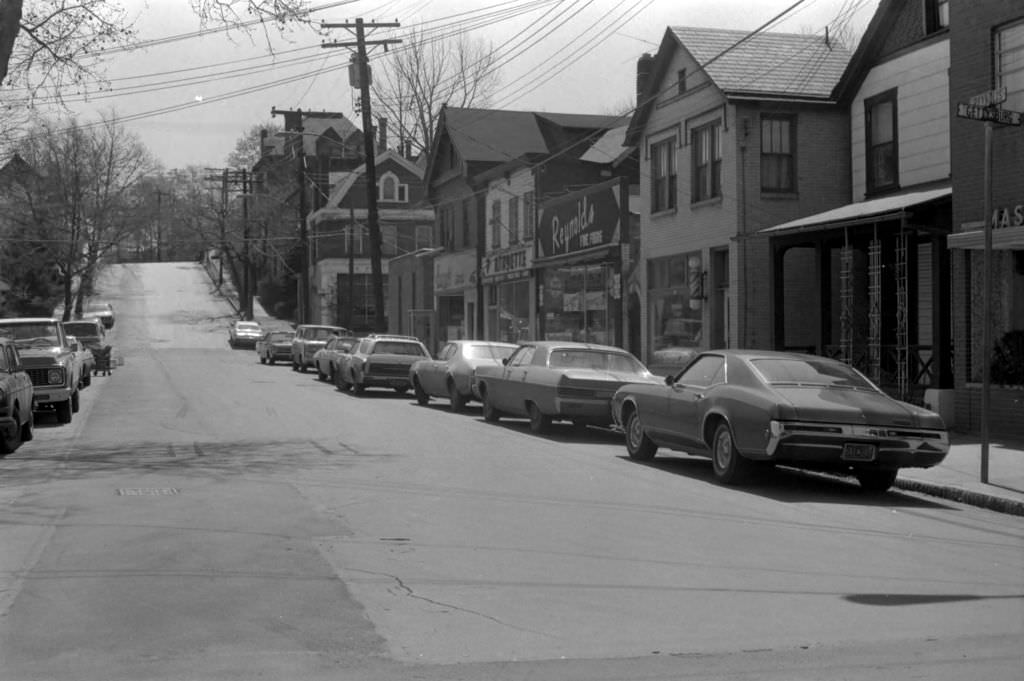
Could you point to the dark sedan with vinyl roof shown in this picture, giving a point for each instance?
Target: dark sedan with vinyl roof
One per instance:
(743, 406)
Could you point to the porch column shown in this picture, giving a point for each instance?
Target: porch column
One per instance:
(942, 322)
(778, 295)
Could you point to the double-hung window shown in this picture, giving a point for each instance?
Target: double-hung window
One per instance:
(707, 162)
(882, 162)
(496, 224)
(529, 215)
(513, 220)
(777, 154)
(663, 175)
(1009, 64)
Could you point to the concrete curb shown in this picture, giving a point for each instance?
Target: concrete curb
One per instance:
(963, 496)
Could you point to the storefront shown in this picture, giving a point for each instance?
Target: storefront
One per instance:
(675, 309)
(455, 293)
(509, 291)
(579, 265)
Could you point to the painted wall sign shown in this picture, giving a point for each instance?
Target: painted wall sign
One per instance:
(581, 220)
(454, 271)
(508, 263)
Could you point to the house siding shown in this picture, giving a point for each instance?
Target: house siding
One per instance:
(922, 104)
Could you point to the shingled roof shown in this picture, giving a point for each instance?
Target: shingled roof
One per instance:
(775, 64)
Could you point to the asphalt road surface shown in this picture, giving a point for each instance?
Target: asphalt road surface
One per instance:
(208, 517)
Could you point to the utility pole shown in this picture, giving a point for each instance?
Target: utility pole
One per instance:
(293, 123)
(246, 302)
(223, 227)
(361, 77)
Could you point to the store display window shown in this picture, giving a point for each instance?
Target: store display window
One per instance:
(509, 312)
(579, 305)
(676, 305)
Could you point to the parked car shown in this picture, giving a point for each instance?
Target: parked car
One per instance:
(451, 374)
(243, 334)
(380, 361)
(548, 381)
(327, 359)
(743, 406)
(49, 361)
(99, 310)
(84, 360)
(274, 345)
(308, 339)
(91, 334)
(16, 392)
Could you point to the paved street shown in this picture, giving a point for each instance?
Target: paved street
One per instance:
(208, 517)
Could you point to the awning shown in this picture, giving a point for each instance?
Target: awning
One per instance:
(1003, 239)
(876, 210)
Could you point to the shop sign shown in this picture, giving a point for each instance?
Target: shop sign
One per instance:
(508, 264)
(454, 271)
(585, 219)
(1008, 216)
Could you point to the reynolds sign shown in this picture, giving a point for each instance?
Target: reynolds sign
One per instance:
(585, 219)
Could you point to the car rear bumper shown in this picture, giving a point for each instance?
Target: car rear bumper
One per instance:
(379, 381)
(842, 445)
(598, 412)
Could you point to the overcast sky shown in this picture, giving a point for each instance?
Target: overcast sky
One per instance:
(191, 98)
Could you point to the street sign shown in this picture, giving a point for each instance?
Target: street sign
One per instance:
(988, 113)
(990, 98)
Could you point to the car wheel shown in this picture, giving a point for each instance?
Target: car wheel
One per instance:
(539, 422)
(402, 390)
(9, 442)
(638, 445)
(295, 365)
(87, 379)
(302, 366)
(490, 413)
(340, 382)
(320, 376)
(876, 481)
(422, 398)
(64, 411)
(74, 402)
(730, 466)
(358, 388)
(263, 360)
(330, 374)
(271, 360)
(458, 402)
(28, 432)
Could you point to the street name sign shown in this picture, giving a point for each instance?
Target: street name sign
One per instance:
(988, 113)
(990, 98)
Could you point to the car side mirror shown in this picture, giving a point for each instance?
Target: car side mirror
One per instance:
(670, 380)
(504, 361)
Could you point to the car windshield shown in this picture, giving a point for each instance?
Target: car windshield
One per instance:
(811, 371)
(247, 326)
(397, 348)
(487, 351)
(594, 359)
(320, 333)
(30, 334)
(81, 329)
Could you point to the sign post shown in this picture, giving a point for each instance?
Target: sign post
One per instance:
(985, 107)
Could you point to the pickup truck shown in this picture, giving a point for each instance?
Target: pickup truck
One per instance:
(50, 361)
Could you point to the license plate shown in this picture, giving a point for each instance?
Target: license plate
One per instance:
(859, 452)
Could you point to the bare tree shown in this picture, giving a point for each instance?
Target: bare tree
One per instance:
(50, 43)
(413, 82)
(81, 211)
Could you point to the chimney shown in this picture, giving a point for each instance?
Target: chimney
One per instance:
(382, 134)
(644, 65)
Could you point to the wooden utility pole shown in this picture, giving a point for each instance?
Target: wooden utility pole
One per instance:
(360, 77)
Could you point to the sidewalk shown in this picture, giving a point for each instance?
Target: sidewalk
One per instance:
(958, 478)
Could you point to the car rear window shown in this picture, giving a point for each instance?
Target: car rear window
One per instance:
(81, 328)
(485, 351)
(810, 372)
(280, 336)
(592, 359)
(249, 325)
(397, 348)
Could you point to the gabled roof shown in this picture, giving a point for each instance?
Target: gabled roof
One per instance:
(496, 136)
(786, 66)
(314, 126)
(347, 179)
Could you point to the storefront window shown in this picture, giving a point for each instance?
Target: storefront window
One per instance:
(676, 300)
(509, 312)
(578, 304)
(450, 317)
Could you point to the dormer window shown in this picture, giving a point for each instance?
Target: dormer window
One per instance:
(936, 15)
(391, 190)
